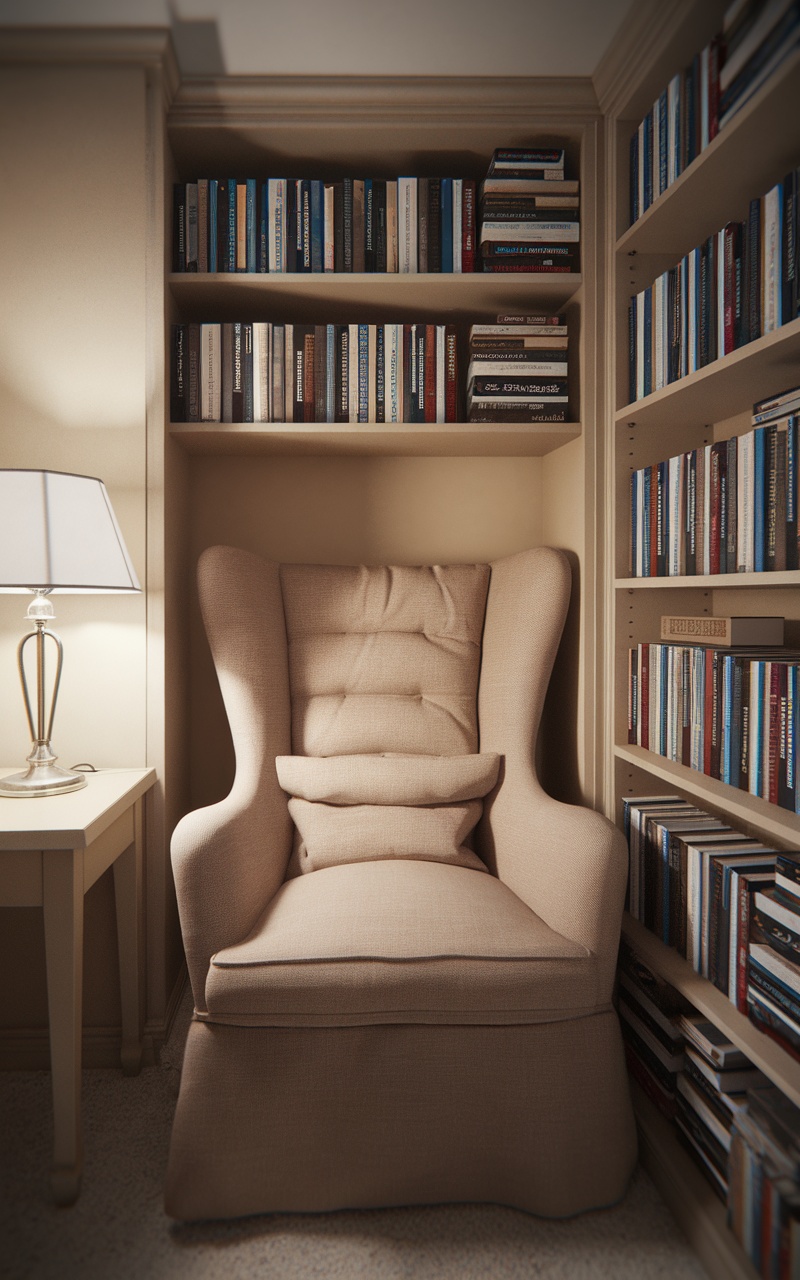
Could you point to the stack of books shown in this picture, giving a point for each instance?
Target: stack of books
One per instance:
(764, 1182)
(726, 507)
(773, 991)
(307, 225)
(654, 1046)
(517, 370)
(711, 1097)
(529, 217)
(264, 372)
(691, 881)
(758, 37)
(740, 283)
(732, 714)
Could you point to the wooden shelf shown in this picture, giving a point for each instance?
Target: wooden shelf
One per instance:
(406, 439)
(713, 581)
(726, 387)
(760, 1049)
(746, 158)
(754, 812)
(342, 296)
(687, 1192)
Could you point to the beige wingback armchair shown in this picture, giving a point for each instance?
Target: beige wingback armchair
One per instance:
(401, 948)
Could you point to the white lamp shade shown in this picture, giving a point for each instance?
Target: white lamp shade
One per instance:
(58, 532)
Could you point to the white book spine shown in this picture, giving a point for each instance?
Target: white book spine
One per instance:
(533, 368)
(210, 372)
(771, 266)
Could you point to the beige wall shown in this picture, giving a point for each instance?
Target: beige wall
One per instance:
(72, 398)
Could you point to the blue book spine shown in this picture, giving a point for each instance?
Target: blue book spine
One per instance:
(648, 160)
(648, 341)
(447, 223)
(634, 179)
(317, 227)
(363, 373)
(263, 228)
(635, 481)
(632, 350)
(759, 512)
(250, 226)
(213, 223)
(231, 225)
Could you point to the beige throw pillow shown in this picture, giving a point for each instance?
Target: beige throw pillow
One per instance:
(364, 808)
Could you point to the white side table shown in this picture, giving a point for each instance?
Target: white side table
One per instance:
(52, 850)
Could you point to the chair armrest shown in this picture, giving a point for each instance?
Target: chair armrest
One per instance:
(567, 863)
(229, 859)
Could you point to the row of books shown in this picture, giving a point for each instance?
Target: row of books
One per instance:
(517, 370)
(756, 37)
(529, 213)
(730, 714)
(728, 507)
(740, 1129)
(264, 372)
(742, 282)
(407, 224)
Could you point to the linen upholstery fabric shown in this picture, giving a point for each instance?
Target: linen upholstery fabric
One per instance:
(388, 779)
(324, 1114)
(384, 658)
(400, 942)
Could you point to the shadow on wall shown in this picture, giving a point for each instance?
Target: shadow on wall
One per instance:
(197, 46)
(557, 748)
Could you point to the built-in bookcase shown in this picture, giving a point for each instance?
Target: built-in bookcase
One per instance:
(752, 153)
(522, 484)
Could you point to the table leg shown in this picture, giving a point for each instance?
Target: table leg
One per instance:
(62, 893)
(127, 896)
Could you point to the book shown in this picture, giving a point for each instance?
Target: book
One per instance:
(723, 630)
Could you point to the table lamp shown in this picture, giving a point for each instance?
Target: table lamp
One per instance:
(58, 532)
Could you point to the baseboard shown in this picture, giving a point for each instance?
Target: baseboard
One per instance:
(28, 1048)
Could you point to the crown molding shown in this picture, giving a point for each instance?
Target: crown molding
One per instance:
(148, 47)
(248, 101)
(643, 37)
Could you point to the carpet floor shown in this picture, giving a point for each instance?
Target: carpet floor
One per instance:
(118, 1229)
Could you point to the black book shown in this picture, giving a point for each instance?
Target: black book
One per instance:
(379, 223)
(304, 230)
(290, 225)
(193, 408)
(226, 367)
(792, 490)
(423, 226)
(380, 373)
(789, 247)
(237, 373)
(434, 224)
(246, 344)
(178, 385)
(179, 226)
(262, 228)
(523, 385)
(754, 270)
(771, 497)
(341, 374)
(320, 373)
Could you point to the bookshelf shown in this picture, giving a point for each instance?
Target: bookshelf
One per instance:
(525, 483)
(756, 148)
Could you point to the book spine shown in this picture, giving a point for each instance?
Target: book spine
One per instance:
(178, 384)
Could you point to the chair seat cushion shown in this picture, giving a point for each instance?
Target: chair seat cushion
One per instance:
(399, 941)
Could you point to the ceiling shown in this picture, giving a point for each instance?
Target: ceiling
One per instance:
(358, 37)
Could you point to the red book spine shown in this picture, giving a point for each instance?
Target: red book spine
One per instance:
(468, 224)
(451, 375)
(633, 665)
(430, 373)
(644, 698)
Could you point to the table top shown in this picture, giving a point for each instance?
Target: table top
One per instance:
(74, 820)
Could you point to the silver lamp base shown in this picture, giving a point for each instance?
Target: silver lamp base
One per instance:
(43, 778)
